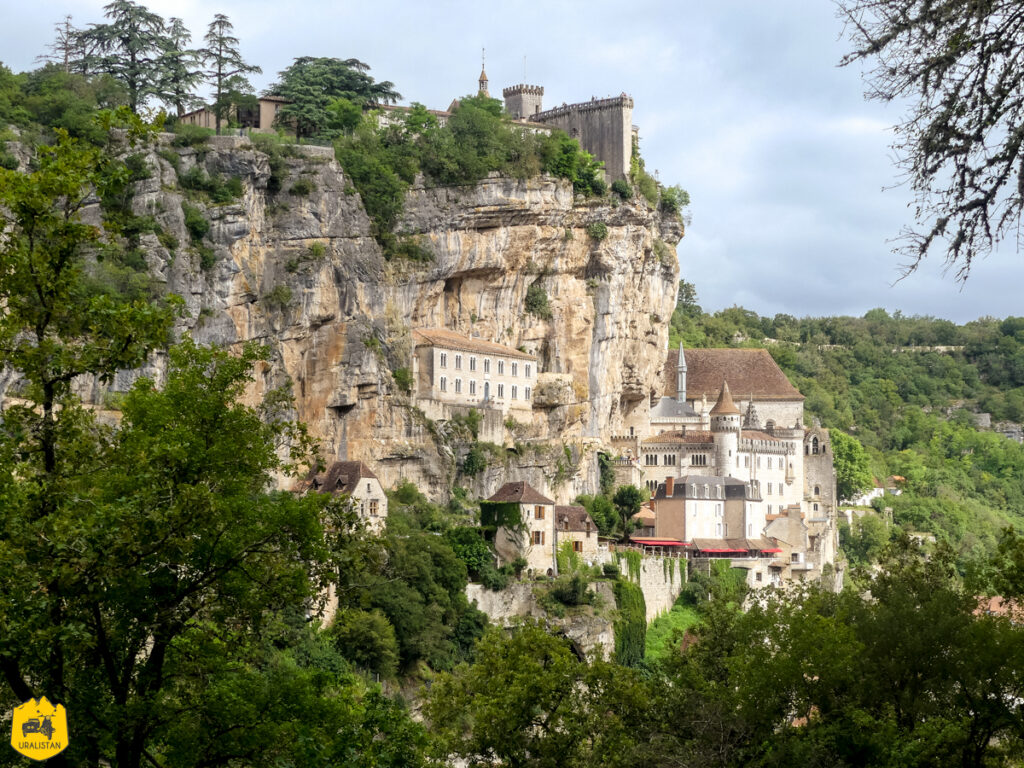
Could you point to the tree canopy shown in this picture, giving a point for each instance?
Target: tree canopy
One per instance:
(961, 66)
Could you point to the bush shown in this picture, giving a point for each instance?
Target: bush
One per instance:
(598, 230)
(673, 200)
(475, 461)
(219, 189)
(403, 379)
(537, 301)
(302, 188)
(572, 590)
(621, 188)
(367, 639)
(207, 257)
(279, 298)
(610, 570)
(196, 224)
(187, 135)
(7, 160)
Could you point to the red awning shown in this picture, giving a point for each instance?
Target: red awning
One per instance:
(659, 542)
(721, 550)
(771, 550)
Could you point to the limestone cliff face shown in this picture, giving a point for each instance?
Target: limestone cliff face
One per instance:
(302, 274)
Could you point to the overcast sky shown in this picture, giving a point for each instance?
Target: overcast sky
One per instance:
(739, 102)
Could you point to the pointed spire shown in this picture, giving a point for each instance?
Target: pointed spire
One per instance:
(725, 406)
(483, 73)
(681, 376)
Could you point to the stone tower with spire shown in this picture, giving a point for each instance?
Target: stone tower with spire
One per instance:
(681, 376)
(483, 76)
(725, 430)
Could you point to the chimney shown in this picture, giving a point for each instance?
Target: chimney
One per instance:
(670, 486)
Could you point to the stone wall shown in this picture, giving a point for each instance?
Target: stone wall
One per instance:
(589, 629)
(660, 587)
(604, 127)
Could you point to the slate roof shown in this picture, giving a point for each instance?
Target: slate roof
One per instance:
(749, 372)
(520, 492)
(576, 517)
(441, 337)
(724, 403)
(670, 408)
(339, 477)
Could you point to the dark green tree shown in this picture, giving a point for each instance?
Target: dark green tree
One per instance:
(181, 71)
(227, 71)
(312, 84)
(853, 474)
(628, 499)
(129, 48)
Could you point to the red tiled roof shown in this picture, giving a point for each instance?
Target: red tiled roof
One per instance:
(440, 337)
(749, 372)
(520, 492)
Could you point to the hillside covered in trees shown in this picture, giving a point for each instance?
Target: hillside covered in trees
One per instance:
(910, 391)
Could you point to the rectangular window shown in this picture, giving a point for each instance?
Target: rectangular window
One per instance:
(758, 458)
(501, 390)
(769, 509)
(444, 384)
(537, 537)
(515, 392)
(515, 369)
(472, 363)
(374, 507)
(769, 462)
(487, 365)
(458, 362)
(746, 462)
(444, 359)
(501, 367)
(527, 395)
(757, 576)
(769, 489)
(527, 370)
(577, 546)
(472, 386)
(538, 512)
(458, 386)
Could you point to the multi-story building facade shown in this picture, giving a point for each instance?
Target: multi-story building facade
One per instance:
(458, 370)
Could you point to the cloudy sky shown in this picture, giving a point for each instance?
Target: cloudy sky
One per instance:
(738, 101)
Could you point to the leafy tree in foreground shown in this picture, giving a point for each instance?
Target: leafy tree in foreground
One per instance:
(853, 475)
(961, 65)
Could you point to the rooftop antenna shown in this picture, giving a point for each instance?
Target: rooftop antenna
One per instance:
(483, 58)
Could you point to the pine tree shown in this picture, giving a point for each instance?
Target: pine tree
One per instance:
(180, 69)
(227, 70)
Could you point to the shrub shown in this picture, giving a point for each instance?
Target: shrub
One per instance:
(187, 135)
(196, 224)
(279, 298)
(219, 189)
(475, 461)
(207, 257)
(367, 639)
(317, 250)
(621, 188)
(673, 200)
(610, 570)
(536, 302)
(7, 160)
(302, 188)
(665, 253)
(403, 379)
(597, 230)
(572, 590)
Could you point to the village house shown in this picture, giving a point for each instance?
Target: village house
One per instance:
(257, 119)
(543, 527)
(360, 484)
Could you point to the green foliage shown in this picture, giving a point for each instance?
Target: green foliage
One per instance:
(674, 201)
(665, 634)
(313, 87)
(853, 474)
(628, 499)
(302, 187)
(403, 379)
(536, 302)
(213, 186)
(226, 69)
(572, 589)
(631, 626)
(864, 540)
(7, 160)
(610, 570)
(188, 135)
(195, 222)
(367, 640)
(634, 562)
(621, 188)
(279, 297)
(666, 254)
(598, 230)
(602, 511)
(475, 461)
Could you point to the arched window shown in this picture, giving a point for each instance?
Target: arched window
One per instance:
(814, 445)
(817, 490)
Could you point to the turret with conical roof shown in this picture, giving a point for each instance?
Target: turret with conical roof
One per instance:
(725, 427)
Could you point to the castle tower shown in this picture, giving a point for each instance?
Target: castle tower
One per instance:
(725, 431)
(751, 420)
(681, 376)
(483, 75)
(522, 101)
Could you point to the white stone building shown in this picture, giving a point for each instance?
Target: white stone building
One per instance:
(456, 370)
(361, 485)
